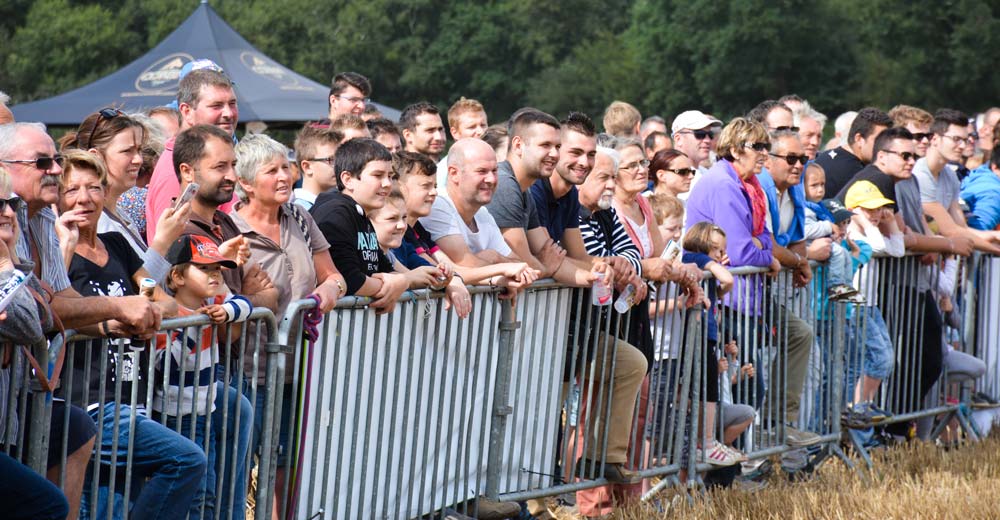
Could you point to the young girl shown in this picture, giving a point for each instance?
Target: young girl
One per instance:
(187, 362)
(707, 244)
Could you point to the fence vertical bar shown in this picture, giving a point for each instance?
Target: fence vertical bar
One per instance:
(501, 408)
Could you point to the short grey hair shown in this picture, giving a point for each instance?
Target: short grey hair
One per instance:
(8, 136)
(613, 154)
(650, 120)
(4, 98)
(252, 152)
(806, 111)
(622, 143)
(780, 135)
(843, 123)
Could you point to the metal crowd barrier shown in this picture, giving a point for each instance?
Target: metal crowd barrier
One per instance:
(415, 412)
(130, 373)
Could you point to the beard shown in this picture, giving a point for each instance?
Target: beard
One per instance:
(606, 199)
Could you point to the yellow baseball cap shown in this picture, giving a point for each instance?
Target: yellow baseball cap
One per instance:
(866, 195)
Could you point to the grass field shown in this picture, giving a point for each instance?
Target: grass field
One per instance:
(912, 481)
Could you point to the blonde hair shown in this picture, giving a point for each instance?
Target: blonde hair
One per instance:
(737, 134)
(666, 206)
(74, 159)
(698, 238)
(903, 114)
(621, 118)
(463, 106)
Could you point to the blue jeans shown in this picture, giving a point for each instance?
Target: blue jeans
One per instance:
(26, 495)
(878, 355)
(174, 466)
(234, 443)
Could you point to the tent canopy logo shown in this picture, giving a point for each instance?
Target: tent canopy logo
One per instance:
(264, 66)
(163, 76)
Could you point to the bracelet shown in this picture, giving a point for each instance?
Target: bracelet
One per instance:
(340, 287)
(103, 327)
(491, 281)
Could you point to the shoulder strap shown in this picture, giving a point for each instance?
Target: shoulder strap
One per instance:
(49, 384)
(301, 220)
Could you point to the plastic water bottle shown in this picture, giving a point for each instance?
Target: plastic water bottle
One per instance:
(624, 301)
(601, 292)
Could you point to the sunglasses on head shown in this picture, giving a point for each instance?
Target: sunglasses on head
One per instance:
(758, 147)
(42, 163)
(14, 203)
(792, 159)
(102, 115)
(683, 172)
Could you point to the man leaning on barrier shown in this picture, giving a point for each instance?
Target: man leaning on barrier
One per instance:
(533, 155)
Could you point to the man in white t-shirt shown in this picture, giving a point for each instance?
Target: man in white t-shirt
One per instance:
(939, 184)
(459, 221)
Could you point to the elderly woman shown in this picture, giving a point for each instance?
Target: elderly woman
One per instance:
(671, 172)
(104, 264)
(118, 140)
(286, 242)
(730, 196)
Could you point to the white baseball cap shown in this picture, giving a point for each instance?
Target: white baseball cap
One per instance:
(692, 120)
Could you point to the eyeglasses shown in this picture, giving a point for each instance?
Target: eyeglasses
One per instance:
(354, 100)
(906, 156)
(785, 129)
(699, 135)
(327, 160)
(920, 136)
(792, 159)
(683, 172)
(105, 113)
(42, 163)
(758, 147)
(957, 139)
(636, 165)
(14, 203)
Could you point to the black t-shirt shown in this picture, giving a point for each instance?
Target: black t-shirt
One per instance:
(112, 279)
(871, 173)
(840, 165)
(353, 243)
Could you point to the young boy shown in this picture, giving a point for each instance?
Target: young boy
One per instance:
(873, 227)
(364, 180)
(187, 359)
(824, 219)
(315, 147)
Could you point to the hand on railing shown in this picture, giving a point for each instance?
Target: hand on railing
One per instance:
(820, 249)
(457, 296)
(393, 286)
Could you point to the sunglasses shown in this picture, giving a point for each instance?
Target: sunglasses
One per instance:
(103, 115)
(906, 156)
(14, 203)
(699, 135)
(42, 163)
(785, 129)
(920, 136)
(683, 172)
(758, 147)
(792, 159)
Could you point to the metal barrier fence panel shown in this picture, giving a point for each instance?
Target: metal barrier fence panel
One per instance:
(399, 412)
(174, 380)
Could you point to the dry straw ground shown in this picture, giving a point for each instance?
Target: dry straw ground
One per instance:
(915, 481)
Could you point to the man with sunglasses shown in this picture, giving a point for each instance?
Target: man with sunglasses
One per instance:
(841, 163)
(694, 133)
(781, 181)
(939, 183)
(205, 97)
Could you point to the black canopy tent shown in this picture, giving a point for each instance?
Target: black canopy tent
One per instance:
(266, 90)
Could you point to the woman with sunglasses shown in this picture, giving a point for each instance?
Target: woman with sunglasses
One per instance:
(118, 139)
(671, 172)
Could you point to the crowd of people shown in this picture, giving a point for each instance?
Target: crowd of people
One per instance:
(365, 206)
